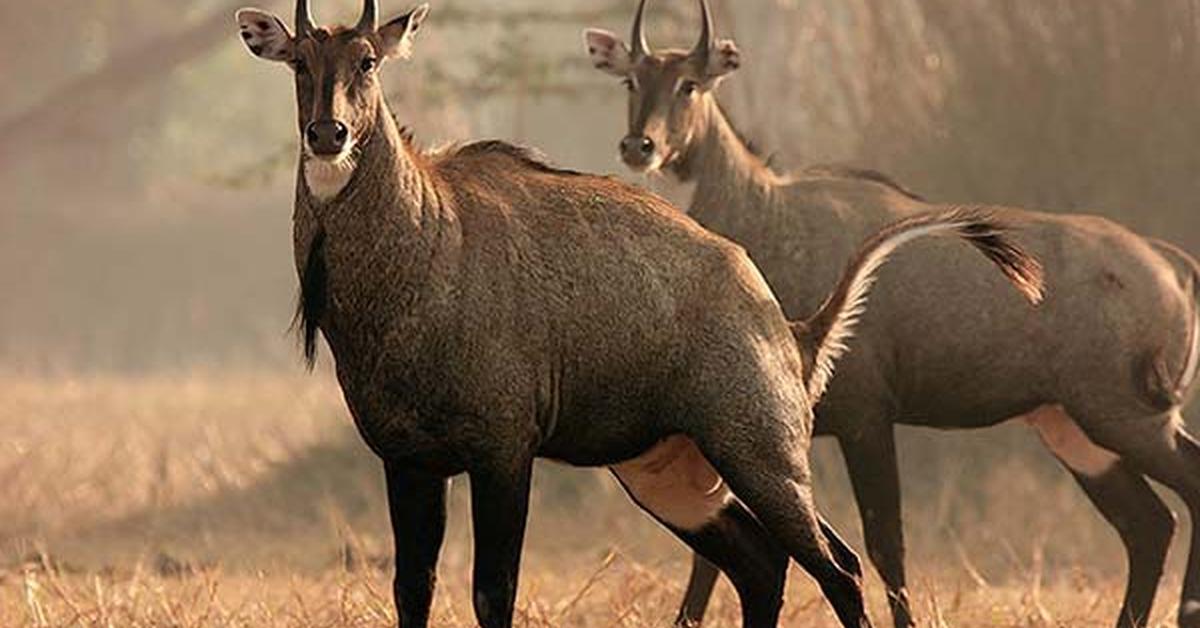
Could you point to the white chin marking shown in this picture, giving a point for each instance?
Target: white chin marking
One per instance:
(327, 178)
(676, 483)
(651, 167)
(1064, 437)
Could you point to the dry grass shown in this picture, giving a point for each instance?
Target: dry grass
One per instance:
(615, 591)
(245, 500)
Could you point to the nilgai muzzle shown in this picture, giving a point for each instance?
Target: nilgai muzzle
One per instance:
(484, 309)
(1101, 371)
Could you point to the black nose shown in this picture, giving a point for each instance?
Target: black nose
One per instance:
(327, 137)
(637, 147)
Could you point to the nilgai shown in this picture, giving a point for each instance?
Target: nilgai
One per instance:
(1101, 371)
(484, 309)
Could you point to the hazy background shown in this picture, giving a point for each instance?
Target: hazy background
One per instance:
(147, 161)
(146, 174)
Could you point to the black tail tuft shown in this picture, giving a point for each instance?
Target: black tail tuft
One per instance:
(989, 236)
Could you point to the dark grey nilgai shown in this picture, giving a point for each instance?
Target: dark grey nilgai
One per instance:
(1101, 370)
(484, 309)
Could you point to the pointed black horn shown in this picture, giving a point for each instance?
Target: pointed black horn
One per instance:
(369, 21)
(304, 20)
(706, 30)
(640, 47)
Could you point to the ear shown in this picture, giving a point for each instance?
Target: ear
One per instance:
(609, 54)
(397, 35)
(265, 35)
(724, 59)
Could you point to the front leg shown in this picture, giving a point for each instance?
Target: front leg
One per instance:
(499, 505)
(871, 463)
(417, 502)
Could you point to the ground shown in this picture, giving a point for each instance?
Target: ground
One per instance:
(245, 500)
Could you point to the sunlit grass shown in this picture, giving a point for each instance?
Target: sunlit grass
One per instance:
(616, 591)
(246, 500)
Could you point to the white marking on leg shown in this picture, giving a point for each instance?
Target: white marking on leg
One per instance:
(1063, 436)
(1189, 608)
(676, 483)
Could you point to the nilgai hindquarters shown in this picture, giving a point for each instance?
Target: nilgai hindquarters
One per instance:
(1101, 371)
(484, 309)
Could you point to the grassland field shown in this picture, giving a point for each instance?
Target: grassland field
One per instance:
(217, 499)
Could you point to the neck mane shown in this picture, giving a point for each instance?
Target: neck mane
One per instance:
(719, 155)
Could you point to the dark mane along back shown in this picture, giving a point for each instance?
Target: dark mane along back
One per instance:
(865, 174)
(835, 171)
(528, 157)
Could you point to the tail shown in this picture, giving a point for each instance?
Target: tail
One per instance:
(1191, 366)
(825, 335)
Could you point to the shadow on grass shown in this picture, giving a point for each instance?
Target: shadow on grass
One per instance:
(310, 511)
(296, 513)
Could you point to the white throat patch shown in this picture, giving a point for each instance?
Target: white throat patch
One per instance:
(326, 179)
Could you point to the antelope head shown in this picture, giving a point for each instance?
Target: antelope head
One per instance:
(338, 93)
(668, 89)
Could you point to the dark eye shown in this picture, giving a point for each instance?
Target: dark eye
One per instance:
(629, 84)
(368, 65)
(687, 88)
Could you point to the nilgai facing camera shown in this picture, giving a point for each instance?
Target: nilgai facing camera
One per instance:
(485, 309)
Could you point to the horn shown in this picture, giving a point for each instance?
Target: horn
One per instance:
(640, 47)
(369, 21)
(304, 20)
(706, 30)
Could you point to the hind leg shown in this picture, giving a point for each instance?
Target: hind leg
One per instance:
(1180, 470)
(1126, 501)
(677, 485)
(704, 575)
(755, 564)
(700, 587)
(1158, 447)
(766, 465)
(1146, 526)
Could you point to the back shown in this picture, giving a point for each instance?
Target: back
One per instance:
(608, 282)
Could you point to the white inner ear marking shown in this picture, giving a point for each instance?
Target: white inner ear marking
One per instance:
(607, 52)
(725, 58)
(676, 483)
(264, 35)
(326, 179)
(1063, 436)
